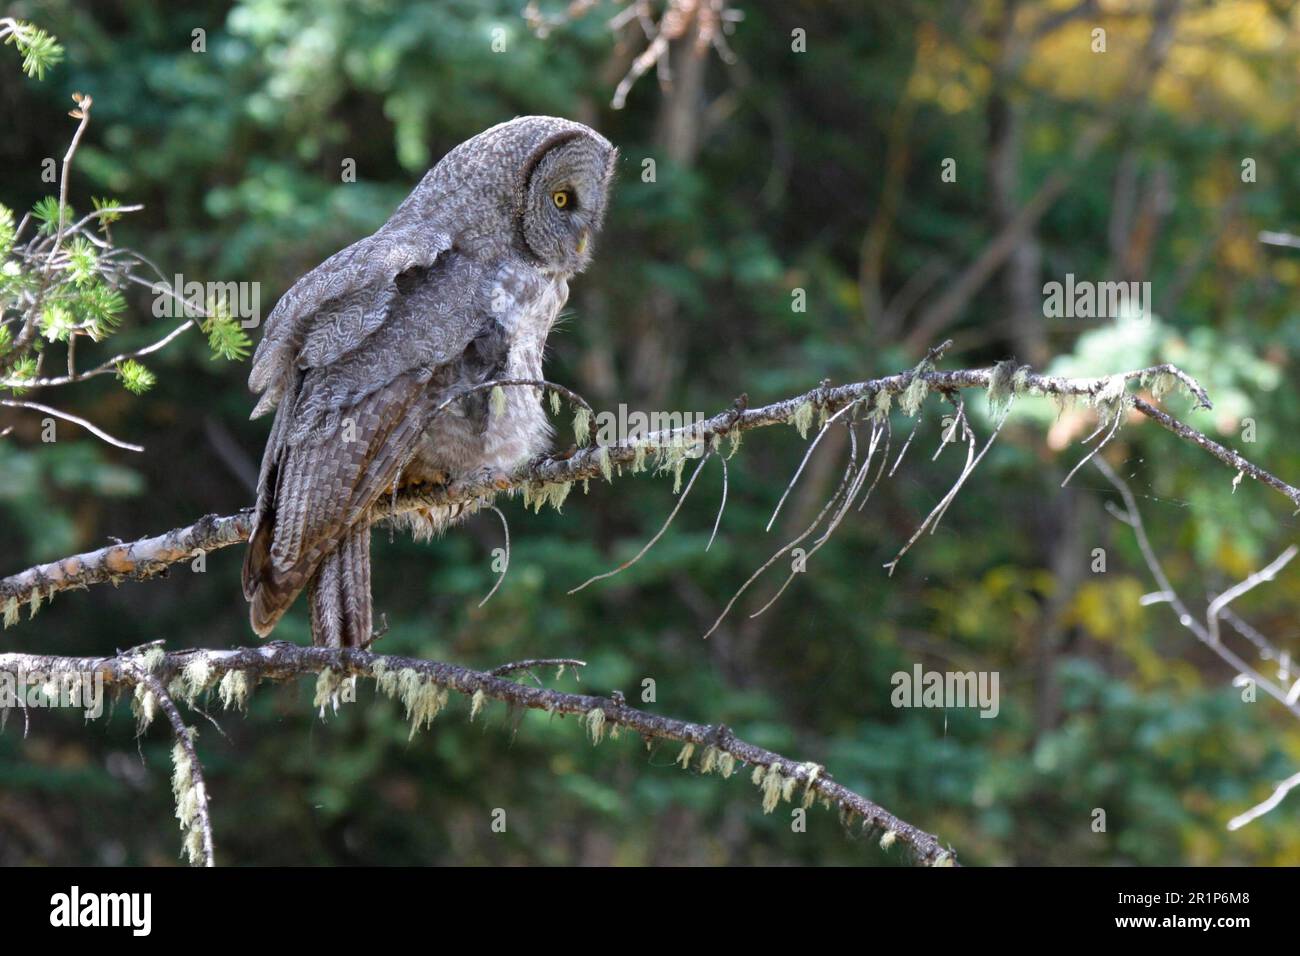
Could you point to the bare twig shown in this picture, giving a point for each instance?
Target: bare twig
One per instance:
(845, 481)
(68, 417)
(681, 500)
(1255, 812)
(704, 22)
(1217, 606)
(28, 331)
(1114, 427)
(722, 504)
(1206, 631)
(821, 433)
(505, 530)
(1280, 239)
(936, 514)
(845, 504)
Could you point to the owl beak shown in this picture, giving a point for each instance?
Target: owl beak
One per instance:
(582, 242)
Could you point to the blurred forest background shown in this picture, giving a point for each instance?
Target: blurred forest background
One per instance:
(777, 169)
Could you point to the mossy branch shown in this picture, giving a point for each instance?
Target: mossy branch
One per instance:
(547, 477)
(424, 686)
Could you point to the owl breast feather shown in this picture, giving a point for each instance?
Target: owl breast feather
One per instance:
(525, 305)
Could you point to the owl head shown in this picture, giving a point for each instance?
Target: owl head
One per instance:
(536, 183)
(564, 189)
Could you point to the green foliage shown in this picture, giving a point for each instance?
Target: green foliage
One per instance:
(135, 378)
(107, 210)
(103, 308)
(40, 51)
(226, 337)
(22, 370)
(46, 212)
(57, 323)
(82, 260)
(7, 231)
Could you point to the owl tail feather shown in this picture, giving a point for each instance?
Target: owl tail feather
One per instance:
(338, 589)
(340, 594)
(269, 593)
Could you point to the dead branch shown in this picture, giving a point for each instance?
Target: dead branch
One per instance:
(705, 23)
(1208, 630)
(422, 686)
(1277, 796)
(549, 478)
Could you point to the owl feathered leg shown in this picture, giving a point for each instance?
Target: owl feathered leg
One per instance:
(339, 594)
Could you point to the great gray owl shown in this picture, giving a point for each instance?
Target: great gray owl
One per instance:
(459, 287)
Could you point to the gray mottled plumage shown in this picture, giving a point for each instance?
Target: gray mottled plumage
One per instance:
(459, 287)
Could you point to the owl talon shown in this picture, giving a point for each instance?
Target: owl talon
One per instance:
(428, 486)
(500, 480)
(433, 480)
(549, 457)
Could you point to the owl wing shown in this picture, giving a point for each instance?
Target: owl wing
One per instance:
(351, 414)
(331, 310)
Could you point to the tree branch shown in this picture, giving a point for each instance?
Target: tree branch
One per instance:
(422, 686)
(187, 780)
(1208, 632)
(68, 417)
(549, 478)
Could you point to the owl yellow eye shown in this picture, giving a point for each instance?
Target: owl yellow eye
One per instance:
(561, 198)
